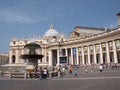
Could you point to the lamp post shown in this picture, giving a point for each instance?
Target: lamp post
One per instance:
(62, 58)
(60, 51)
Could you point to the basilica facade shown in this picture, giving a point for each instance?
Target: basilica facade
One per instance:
(85, 46)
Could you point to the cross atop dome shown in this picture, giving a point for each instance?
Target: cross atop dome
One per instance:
(51, 27)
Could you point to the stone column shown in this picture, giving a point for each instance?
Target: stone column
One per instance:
(42, 52)
(50, 58)
(71, 56)
(108, 54)
(45, 55)
(17, 56)
(58, 57)
(88, 55)
(83, 58)
(95, 60)
(115, 52)
(77, 55)
(39, 52)
(22, 52)
(10, 57)
(101, 54)
(66, 53)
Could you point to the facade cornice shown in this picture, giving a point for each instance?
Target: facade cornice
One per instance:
(99, 38)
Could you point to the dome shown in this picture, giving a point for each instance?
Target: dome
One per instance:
(51, 31)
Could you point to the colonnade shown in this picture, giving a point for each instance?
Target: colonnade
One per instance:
(98, 53)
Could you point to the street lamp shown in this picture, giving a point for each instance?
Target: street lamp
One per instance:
(62, 58)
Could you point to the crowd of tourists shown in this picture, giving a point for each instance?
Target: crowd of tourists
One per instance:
(63, 70)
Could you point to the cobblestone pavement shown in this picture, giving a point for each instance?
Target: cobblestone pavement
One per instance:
(91, 74)
(85, 84)
(107, 80)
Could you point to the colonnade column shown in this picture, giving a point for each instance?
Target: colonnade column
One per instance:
(115, 52)
(77, 56)
(50, 57)
(95, 60)
(83, 58)
(71, 56)
(58, 56)
(108, 54)
(101, 54)
(66, 53)
(88, 55)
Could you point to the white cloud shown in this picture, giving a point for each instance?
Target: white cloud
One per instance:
(15, 17)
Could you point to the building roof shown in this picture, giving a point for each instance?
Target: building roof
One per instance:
(94, 28)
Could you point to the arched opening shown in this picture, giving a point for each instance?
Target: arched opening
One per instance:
(13, 59)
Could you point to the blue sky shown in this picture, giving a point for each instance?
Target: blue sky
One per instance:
(23, 18)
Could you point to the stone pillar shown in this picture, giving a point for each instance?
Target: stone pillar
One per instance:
(50, 58)
(95, 60)
(10, 57)
(23, 52)
(45, 55)
(88, 55)
(83, 58)
(77, 55)
(71, 56)
(58, 57)
(115, 52)
(66, 53)
(108, 54)
(17, 56)
(101, 54)
(42, 52)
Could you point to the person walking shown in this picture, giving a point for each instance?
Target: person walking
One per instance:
(70, 69)
(41, 73)
(75, 72)
(101, 67)
(45, 72)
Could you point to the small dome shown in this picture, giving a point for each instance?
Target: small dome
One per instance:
(51, 31)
